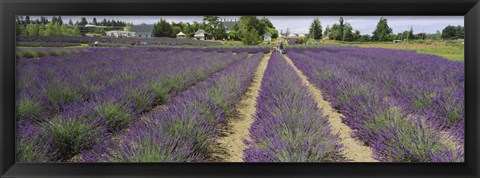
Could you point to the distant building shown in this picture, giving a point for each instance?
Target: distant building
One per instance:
(181, 35)
(119, 34)
(143, 30)
(202, 35)
(267, 37)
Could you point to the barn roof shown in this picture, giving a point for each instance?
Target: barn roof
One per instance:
(201, 32)
(229, 24)
(142, 28)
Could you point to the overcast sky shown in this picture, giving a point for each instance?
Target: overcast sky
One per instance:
(300, 24)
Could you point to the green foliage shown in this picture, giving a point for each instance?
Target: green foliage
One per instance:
(315, 31)
(115, 115)
(143, 101)
(335, 32)
(83, 21)
(347, 33)
(235, 35)
(251, 37)
(252, 29)
(163, 90)
(273, 32)
(60, 94)
(28, 107)
(52, 28)
(453, 32)
(26, 54)
(33, 30)
(382, 31)
(70, 136)
(215, 27)
(34, 149)
(164, 29)
(326, 32)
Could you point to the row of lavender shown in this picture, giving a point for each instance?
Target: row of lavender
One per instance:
(406, 106)
(85, 39)
(256, 49)
(67, 104)
(184, 131)
(43, 52)
(288, 126)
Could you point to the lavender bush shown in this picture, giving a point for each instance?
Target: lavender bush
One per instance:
(85, 39)
(84, 97)
(185, 130)
(364, 86)
(288, 125)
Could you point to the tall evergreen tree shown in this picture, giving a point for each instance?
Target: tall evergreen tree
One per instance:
(27, 20)
(315, 31)
(83, 21)
(60, 20)
(342, 25)
(163, 29)
(94, 21)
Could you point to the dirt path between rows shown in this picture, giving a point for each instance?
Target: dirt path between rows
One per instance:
(229, 146)
(354, 150)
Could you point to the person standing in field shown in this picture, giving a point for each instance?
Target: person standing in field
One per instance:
(281, 48)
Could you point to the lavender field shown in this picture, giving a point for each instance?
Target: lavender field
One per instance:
(172, 104)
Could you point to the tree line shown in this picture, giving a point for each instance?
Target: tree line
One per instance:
(249, 30)
(57, 26)
(343, 31)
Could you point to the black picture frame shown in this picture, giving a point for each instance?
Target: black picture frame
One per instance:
(470, 9)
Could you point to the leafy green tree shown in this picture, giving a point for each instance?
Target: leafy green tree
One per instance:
(382, 32)
(53, 28)
(234, 35)
(250, 34)
(215, 27)
(460, 32)
(18, 30)
(236, 27)
(70, 22)
(347, 32)
(163, 29)
(273, 32)
(266, 22)
(327, 30)
(128, 26)
(33, 30)
(315, 31)
(336, 32)
(357, 35)
(449, 32)
(251, 37)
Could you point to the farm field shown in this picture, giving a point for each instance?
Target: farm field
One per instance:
(453, 51)
(218, 104)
